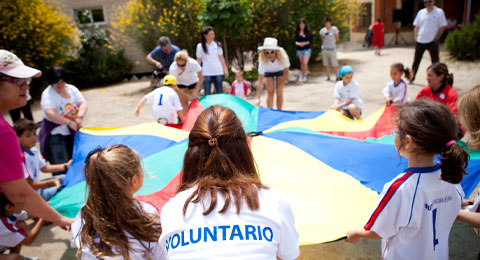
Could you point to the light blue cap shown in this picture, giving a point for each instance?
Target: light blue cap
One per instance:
(345, 70)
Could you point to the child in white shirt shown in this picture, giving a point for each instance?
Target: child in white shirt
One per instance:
(165, 102)
(395, 91)
(346, 94)
(239, 86)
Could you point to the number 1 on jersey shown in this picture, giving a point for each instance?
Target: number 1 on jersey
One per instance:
(434, 220)
(160, 101)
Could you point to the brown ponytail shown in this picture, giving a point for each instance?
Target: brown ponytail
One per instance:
(441, 68)
(432, 126)
(399, 66)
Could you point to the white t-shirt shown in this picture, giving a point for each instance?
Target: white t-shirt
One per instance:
(415, 213)
(33, 163)
(330, 39)
(138, 252)
(429, 23)
(476, 208)
(262, 234)
(239, 89)
(188, 76)
(274, 66)
(10, 235)
(346, 92)
(211, 64)
(66, 107)
(165, 103)
(398, 92)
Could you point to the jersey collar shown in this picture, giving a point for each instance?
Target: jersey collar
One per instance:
(423, 169)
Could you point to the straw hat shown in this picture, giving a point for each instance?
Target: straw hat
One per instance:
(270, 44)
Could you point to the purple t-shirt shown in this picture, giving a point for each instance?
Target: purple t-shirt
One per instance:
(10, 157)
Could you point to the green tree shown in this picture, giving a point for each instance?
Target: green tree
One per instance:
(231, 18)
(38, 33)
(146, 20)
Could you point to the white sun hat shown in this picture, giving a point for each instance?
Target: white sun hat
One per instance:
(269, 44)
(12, 66)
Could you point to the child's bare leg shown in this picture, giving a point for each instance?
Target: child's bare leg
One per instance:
(270, 91)
(279, 91)
(327, 70)
(354, 111)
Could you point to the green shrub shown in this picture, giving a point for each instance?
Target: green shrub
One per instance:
(97, 63)
(464, 43)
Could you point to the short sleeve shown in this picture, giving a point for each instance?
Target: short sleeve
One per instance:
(288, 248)
(176, 102)
(443, 20)
(195, 66)
(390, 214)
(46, 100)
(321, 32)
(156, 52)
(23, 215)
(40, 160)
(386, 90)
(415, 22)
(354, 93)
(77, 95)
(10, 236)
(335, 30)
(220, 49)
(261, 68)
(199, 51)
(149, 97)
(10, 159)
(287, 62)
(336, 92)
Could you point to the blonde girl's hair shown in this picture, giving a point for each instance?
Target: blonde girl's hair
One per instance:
(399, 66)
(280, 55)
(110, 211)
(469, 115)
(181, 55)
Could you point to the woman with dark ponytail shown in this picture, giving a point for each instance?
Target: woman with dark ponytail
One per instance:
(221, 208)
(416, 210)
(439, 87)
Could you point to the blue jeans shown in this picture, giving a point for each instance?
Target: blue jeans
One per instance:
(217, 81)
(48, 192)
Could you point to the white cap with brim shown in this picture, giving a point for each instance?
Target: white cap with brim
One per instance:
(12, 66)
(270, 44)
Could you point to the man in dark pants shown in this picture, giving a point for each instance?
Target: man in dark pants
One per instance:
(429, 25)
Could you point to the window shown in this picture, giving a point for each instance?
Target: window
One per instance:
(90, 15)
(365, 17)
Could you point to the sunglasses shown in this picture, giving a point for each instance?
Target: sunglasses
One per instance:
(269, 52)
(18, 81)
(181, 65)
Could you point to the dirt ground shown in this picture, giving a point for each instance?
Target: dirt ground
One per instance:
(114, 106)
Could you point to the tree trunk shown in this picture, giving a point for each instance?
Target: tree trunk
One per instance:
(225, 45)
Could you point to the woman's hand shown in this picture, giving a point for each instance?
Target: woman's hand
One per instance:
(73, 125)
(79, 121)
(258, 102)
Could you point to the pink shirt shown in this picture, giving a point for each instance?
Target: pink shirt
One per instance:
(10, 158)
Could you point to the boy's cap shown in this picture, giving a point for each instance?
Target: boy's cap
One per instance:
(169, 80)
(12, 66)
(345, 70)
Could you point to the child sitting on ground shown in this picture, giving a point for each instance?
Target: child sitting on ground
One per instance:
(395, 92)
(112, 224)
(346, 94)
(416, 210)
(13, 228)
(33, 161)
(239, 86)
(165, 102)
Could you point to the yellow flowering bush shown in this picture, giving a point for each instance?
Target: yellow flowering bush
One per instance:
(37, 32)
(146, 20)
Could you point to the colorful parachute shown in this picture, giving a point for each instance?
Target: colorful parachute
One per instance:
(329, 167)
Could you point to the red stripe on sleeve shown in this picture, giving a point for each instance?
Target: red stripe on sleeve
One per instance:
(11, 228)
(383, 203)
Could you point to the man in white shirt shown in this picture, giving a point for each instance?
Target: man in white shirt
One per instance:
(429, 25)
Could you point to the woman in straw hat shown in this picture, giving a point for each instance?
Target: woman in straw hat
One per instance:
(273, 65)
(15, 78)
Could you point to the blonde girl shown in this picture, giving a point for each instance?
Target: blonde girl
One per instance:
(112, 223)
(273, 65)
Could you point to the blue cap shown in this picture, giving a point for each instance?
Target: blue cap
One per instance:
(345, 70)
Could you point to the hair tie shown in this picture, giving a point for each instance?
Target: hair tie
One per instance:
(450, 143)
(92, 152)
(212, 142)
